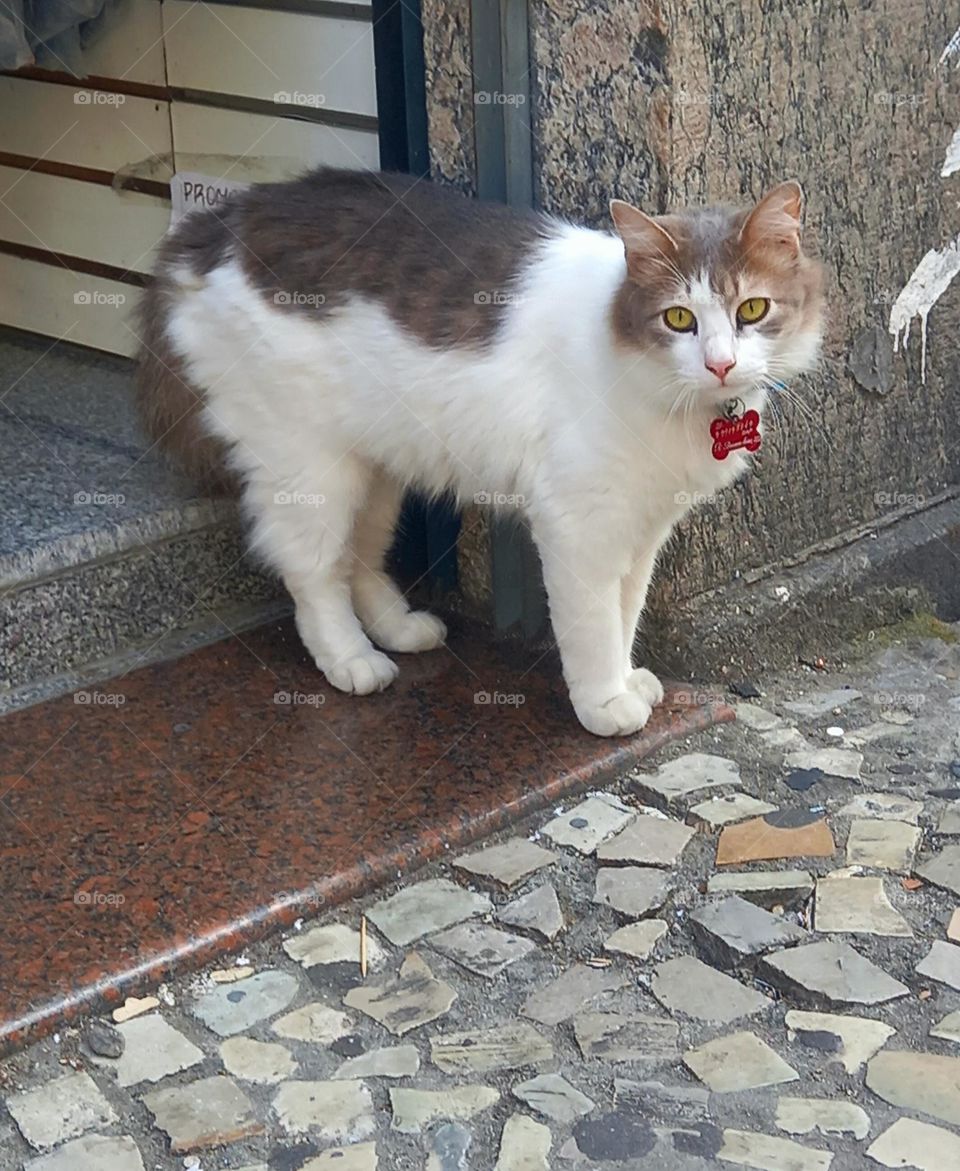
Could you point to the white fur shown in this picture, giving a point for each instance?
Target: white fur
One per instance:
(330, 418)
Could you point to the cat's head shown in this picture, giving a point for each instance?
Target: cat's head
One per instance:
(722, 299)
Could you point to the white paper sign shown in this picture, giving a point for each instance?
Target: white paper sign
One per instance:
(191, 191)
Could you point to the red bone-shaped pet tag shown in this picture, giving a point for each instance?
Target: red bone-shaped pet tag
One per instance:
(733, 434)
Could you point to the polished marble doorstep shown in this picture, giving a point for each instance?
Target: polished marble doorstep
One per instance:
(185, 809)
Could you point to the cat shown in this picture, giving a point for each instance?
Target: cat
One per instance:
(335, 339)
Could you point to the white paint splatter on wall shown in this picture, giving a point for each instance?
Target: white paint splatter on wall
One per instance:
(932, 276)
(928, 283)
(952, 162)
(952, 48)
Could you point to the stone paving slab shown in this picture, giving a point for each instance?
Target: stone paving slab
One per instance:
(334, 943)
(943, 869)
(763, 839)
(232, 1008)
(152, 1049)
(415, 998)
(480, 948)
(927, 1083)
(634, 891)
(262, 1062)
(60, 1109)
(636, 939)
(554, 1097)
(205, 1113)
(507, 864)
(692, 773)
(806, 1115)
(910, 1143)
(588, 824)
(577, 987)
(425, 907)
(733, 807)
(733, 931)
(882, 844)
(394, 1061)
(93, 1152)
(415, 1109)
(336, 1111)
(691, 988)
(942, 963)
(511, 1046)
(832, 972)
(767, 888)
(857, 905)
(857, 1038)
(749, 1149)
(739, 1061)
(537, 911)
(646, 1041)
(647, 841)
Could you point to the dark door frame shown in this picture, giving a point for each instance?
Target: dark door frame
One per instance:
(426, 549)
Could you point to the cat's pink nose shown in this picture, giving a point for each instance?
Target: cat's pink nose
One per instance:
(721, 367)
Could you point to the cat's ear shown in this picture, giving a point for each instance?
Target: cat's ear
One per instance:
(643, 236)
(777, 219)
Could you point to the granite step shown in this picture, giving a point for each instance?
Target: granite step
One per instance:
(108, 558)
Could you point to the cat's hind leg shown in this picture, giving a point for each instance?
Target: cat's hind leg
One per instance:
(378, 602)
(303, 526)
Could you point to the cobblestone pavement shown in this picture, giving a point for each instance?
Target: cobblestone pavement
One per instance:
(746, 956)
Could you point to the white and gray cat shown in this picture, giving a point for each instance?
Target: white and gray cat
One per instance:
(334, 340)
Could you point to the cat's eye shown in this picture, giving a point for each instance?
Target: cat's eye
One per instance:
(680, 319)
(752, 310)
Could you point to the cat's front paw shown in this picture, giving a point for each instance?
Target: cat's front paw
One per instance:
(621, 715)
(645, 683)
(362, 674)
(410, 631)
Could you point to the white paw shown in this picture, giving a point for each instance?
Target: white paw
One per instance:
(363, 674)
(409, 632)
(621, 715)
(645, 683)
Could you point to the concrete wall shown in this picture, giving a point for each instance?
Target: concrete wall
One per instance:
(687, 101)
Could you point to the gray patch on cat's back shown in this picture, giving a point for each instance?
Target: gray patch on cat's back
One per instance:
(444, 267)
(871, 359)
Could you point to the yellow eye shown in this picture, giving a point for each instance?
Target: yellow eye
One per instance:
(752, 310)
(680, 319)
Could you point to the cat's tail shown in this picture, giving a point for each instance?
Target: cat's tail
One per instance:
(170, 406)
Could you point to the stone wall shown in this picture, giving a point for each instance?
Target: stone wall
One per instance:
(687, 101)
